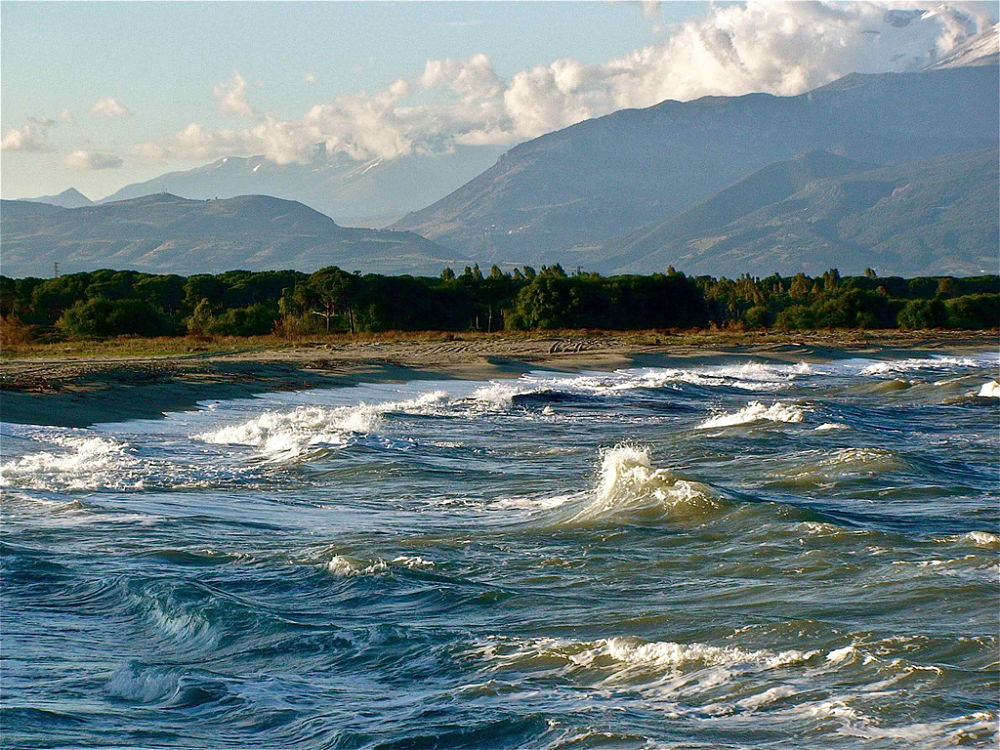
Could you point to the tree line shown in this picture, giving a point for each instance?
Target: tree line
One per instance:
(109, 303)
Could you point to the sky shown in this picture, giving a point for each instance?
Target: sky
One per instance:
(97, 95)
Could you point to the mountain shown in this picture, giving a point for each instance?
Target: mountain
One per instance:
(612, 175)
(359, 193)
(69, 198)
(166, 234)
(936, 216)
(981, 49)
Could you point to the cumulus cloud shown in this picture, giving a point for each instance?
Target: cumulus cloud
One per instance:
(231, 97)
(784, 48)
(32, 136)
(66, 116)
(309, 78)
(108, 106)
(83, 159)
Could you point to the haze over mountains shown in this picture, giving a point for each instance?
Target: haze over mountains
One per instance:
(896, 171)
(370, 193)
(163, 233)
(821, 211)
(609, 176)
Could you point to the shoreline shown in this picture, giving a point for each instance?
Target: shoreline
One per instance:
(81, 390)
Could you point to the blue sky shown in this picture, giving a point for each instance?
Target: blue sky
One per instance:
(97, 95)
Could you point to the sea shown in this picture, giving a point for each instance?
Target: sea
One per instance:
(785, 550)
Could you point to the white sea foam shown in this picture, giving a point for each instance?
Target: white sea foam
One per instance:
(342, 566)
(989, 389)
(982, 539)
(87, 462)
(284, 435)
(915, 364)
(630, 489)
(750, 376)
(755, 411)
(826, 426)
(630, 659)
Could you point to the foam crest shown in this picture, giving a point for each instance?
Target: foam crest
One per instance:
(916, 364)
(989, 389)
(751, 376)
(630, 489)
(627, 658)
(755, 411)
(284, 435)
(342, 566)
(87, 463)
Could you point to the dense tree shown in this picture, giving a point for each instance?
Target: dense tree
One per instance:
(108, 302)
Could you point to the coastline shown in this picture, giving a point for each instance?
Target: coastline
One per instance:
(83, 389)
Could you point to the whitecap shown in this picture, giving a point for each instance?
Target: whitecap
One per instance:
(629, 488)
(755, 411)
(989, 389)
(287, 435)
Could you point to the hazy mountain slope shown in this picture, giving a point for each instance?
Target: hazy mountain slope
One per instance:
(937, 216)
(167, 234)
(764, 187)
(372, 193)
(69, 198)
(609, 176)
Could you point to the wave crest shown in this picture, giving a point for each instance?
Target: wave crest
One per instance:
(755, 411)
(629, 488)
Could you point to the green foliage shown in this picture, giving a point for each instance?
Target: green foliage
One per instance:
(974, 311)
(99, 317)
(243, 303)
(923, 313)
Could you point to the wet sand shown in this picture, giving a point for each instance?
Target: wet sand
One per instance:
(81, 390)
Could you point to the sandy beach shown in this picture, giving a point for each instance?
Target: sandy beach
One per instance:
(51, 386)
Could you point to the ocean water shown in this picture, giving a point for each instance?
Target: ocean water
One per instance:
(714, 553)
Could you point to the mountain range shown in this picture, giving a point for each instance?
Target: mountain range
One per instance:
(820, 211)
(895, 171)
(606, 177)
(371, 193)
(164, 233)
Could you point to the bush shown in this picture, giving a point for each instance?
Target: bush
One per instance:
(923, 313)
(101, 317)
(974, 311)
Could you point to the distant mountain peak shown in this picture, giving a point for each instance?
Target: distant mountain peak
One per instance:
(68, 198)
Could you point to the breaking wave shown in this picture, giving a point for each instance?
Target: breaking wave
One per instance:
(755, 411)
(630, 489)
(287, 435)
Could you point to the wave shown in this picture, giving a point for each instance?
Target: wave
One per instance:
(628, 659)
(989, 389)
(629, 489)
(287, 435)
(847, 463)
(916, 364)
(755, 411)
(82, 461)
(87, 462)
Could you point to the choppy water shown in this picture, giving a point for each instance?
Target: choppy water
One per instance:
(721, 554)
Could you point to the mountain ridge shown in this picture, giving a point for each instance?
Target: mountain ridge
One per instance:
(163, 233)
(611, 175)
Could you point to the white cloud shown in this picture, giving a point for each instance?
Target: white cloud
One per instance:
(309, 78)
(66, 116)
(109, 107)
(783, 48)
(32, 136)
(92, 160)
(231, 97)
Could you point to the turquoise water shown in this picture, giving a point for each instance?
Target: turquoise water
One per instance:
(710, 553)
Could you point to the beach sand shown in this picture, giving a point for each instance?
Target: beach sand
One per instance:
(80, 390)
